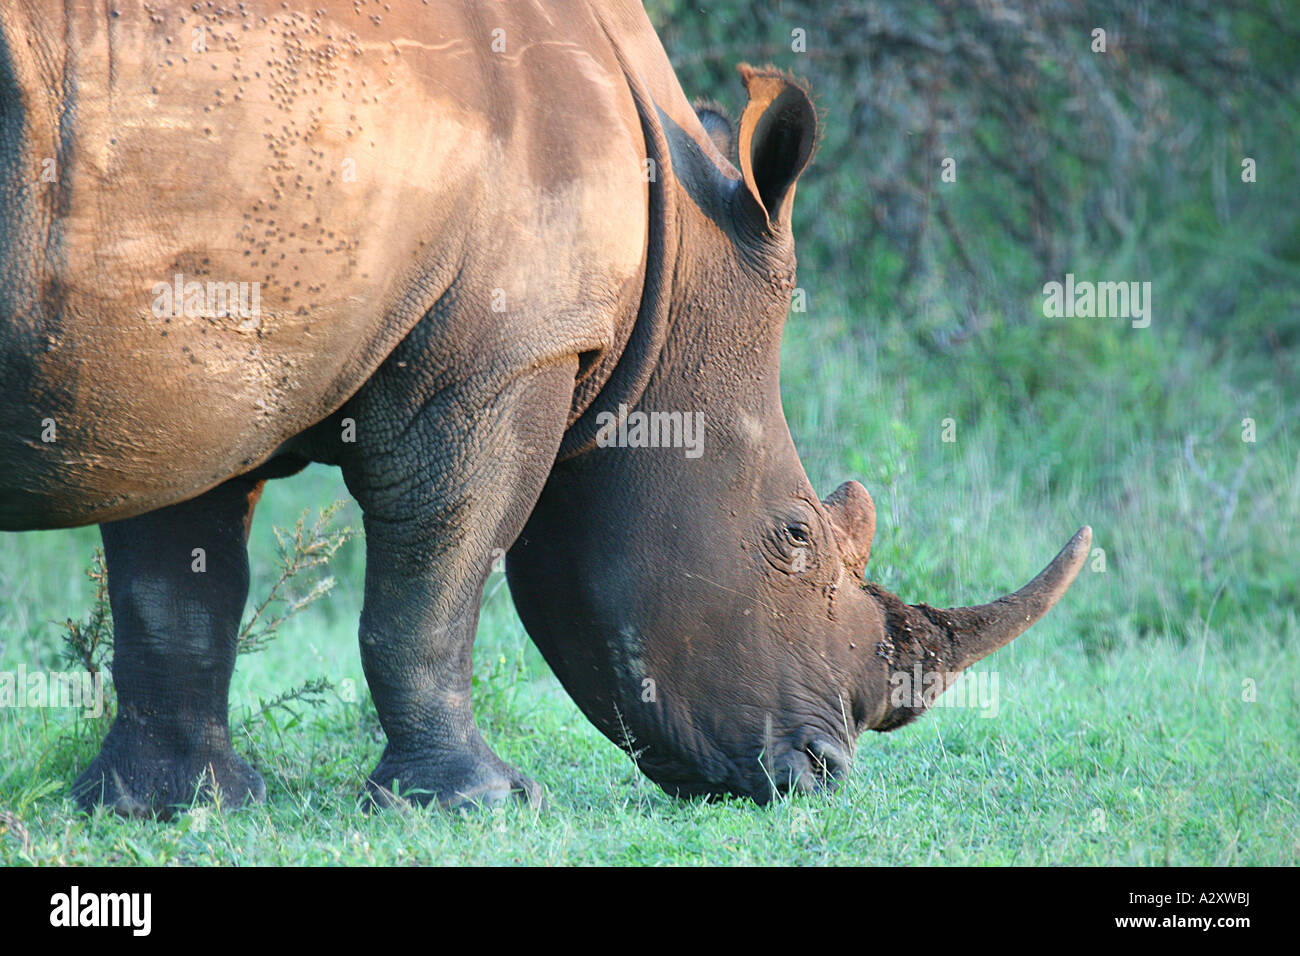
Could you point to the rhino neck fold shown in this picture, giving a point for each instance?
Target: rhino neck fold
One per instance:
(621, 376)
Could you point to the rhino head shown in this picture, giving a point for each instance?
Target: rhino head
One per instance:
(701, 604)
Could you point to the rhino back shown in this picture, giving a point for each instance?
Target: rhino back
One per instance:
(218, 222)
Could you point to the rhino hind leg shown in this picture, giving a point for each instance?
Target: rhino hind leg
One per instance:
(441, 502)
(178, 581)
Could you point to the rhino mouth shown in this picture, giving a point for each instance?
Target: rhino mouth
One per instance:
(820, 766)
(830, 762)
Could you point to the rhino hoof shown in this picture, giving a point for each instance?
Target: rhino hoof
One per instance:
(462, 785)
(160, 789)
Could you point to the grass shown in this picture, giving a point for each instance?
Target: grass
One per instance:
(1152, 718)
(1147, 757)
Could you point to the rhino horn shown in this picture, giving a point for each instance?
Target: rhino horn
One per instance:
(979, 631)
(946, 641)
(853, 515)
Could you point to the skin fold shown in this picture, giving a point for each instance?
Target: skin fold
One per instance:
(475, 237)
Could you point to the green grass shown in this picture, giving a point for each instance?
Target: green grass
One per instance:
(1147, 757)
(1122, 735)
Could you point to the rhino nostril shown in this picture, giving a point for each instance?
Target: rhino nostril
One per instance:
(829, 761)
(793, 773)
(819, 765)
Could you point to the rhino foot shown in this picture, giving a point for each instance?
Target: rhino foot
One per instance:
(139, 781)
(452, 781)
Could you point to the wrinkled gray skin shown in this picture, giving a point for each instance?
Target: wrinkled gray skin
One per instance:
(461, 267)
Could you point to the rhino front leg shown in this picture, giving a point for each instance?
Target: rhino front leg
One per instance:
(177, 581)
(445, 476)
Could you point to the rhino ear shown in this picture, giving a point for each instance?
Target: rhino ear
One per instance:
(777, 133)
(715, 123)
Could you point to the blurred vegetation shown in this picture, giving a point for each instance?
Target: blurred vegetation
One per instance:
(1122, 165)
(1066, 159)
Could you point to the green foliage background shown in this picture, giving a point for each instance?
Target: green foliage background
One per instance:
(1123, 165)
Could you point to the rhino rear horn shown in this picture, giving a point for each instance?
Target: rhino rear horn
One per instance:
(853, 515)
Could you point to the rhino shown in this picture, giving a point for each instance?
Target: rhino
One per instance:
(493, 265)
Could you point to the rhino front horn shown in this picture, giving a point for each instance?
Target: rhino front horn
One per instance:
(981, 630)
(945, 642)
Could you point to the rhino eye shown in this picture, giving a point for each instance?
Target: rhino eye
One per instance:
(797, 533)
